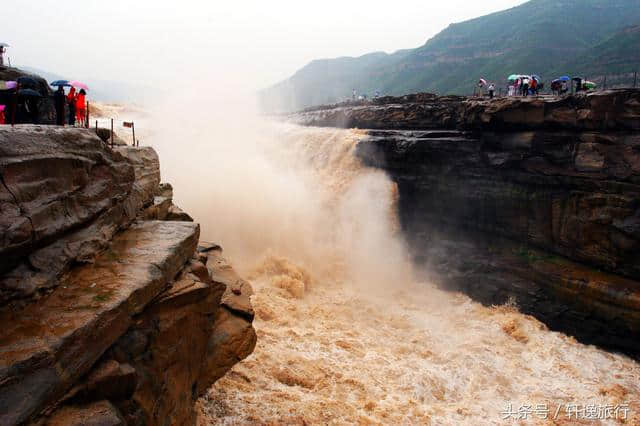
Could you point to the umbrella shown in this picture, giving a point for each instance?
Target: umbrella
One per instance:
(2, 107)
(75, 83)
(4, 45)
(63, 83)
(29, 93)
(513, 77)
(535, 77)
(8, 85)
(565, 78)
(483, 81)
(27, 82)
(590, 85)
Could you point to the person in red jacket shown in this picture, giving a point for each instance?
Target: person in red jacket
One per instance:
(81, 107)
(2, 108)
(71, 101)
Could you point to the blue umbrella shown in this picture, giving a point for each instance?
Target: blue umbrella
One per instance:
(63, 83)
(565, 78)
(27, 82)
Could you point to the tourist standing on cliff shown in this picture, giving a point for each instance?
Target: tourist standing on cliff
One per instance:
(1, 56)
(481, 84)
(59, 100)
(2, 108)
(534, 86)
(81, 107)
(71, 101)
(492, 89)
(525, 86)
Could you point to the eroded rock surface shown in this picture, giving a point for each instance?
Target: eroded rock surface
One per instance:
(562, 196)
(110, 315)
(532, 199)
(606, 110)
(63, 197)
(51, 343)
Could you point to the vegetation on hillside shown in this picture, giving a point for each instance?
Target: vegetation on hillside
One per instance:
(544, 37)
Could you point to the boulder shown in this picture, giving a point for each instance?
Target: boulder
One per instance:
(49, 344)
(175, 213)
(109, 380)
(62, 198)
(187, 325)
(101, 413)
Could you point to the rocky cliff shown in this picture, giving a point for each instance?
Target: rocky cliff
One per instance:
(531, 200)
(113, 312)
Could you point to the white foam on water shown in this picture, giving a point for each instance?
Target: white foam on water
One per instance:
(346, 335)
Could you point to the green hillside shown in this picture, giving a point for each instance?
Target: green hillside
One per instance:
(541, 37)
(616, 58)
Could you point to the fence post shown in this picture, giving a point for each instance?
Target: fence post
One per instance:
(635, 79)
(96, 127)
(14, 108)
(112, 133)
(86, 119)
(133, 129)
(604, 86)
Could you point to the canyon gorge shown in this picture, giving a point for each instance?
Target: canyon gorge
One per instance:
(414, 260)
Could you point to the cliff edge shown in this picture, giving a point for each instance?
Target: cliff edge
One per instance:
(112, 309)
(535, 201)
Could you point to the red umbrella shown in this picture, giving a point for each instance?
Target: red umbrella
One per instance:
(77, 84)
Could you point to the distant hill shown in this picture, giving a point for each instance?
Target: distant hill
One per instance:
(616, 58)
(541, 36)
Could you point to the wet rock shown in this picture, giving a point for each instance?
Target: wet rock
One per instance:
(617, 109)
(105, 136)
(175, 213)
(200, 270)
(101, 413)
(109, 380)
(565, 192)
(63, 198)
(571, 194)
(193, 342)
(165, 190)
(594, 306)
(146, 167)
(421, 111)
(48, 345)
(238, 292)
(233, 339)
(53, 180)
(159, 210)
(205, 247)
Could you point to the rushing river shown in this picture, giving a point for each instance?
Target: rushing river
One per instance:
(345, 334)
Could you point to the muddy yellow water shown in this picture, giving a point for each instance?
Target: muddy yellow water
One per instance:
(347, 336)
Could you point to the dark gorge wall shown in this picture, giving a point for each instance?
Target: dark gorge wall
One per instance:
(536, 201)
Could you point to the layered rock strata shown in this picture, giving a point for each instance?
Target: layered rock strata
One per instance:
(112, 313)
(531, 200)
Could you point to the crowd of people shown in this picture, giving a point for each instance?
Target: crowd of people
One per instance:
(531, 85)
(76, 105)
(33, 104)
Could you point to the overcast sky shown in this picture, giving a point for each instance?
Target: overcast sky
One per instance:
(257, 43)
